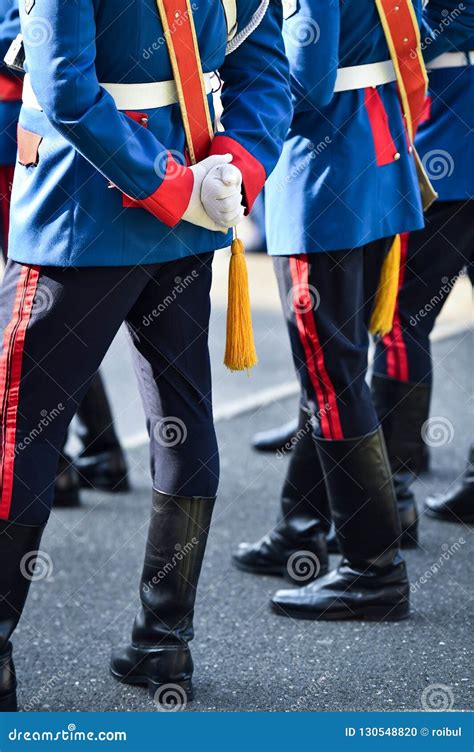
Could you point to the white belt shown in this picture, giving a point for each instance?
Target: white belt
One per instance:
(129, 96)
(452, 60)
(362, 76)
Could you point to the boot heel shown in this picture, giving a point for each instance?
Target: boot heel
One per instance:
(174, 695)
(8, 704)
(398, 612)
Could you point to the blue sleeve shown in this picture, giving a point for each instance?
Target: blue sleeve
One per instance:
(311, 35)
(64, 80)
(447, 25)
(256, 101)
(9, 29)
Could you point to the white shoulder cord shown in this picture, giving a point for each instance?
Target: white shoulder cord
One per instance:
(255, 21)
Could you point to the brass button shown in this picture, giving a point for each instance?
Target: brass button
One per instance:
(397, 156)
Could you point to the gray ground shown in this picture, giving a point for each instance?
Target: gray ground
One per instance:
(247, 658)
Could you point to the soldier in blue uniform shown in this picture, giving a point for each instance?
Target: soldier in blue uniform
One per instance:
(101, 463)
(433, 257)
(348, 172)
(111, 222)
(10, 102)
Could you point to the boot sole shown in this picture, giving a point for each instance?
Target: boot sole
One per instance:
(275, 571)
(8, 704)
(369, 613)
(469, 519)
(153, 686)
(280, 572)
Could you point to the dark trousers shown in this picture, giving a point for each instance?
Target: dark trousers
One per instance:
(6, 181)
(57, 326)
(432, 259)
(327, 300)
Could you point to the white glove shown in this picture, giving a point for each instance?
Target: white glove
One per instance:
(196, 213)
(221, 195)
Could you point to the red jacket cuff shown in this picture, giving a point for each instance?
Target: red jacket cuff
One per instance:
(253, 172)
(169, 202)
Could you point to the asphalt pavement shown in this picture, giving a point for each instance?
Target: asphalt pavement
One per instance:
(247, 658)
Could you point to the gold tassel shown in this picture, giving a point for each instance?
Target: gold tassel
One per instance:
(240, 354)
(381, 321)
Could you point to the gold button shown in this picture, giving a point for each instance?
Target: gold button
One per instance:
(410, 149)
(144, 120)
(405, 41)
(397, 156)
(397, 7)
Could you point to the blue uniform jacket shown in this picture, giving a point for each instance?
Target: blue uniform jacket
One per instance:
(63, 210)
(346, 174)
(10, 86)
(445, 141)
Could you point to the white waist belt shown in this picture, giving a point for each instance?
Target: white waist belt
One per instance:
(129, 96)
(452, 60)
(362, 76)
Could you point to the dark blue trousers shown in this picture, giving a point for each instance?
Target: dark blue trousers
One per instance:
(432, 260)
(57, 325)
(327, 300)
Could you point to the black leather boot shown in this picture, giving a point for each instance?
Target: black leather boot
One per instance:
(101, 464)
(456, 505)
(276, 438)
(296, 547)
(371, 581)
(159, 653)
(18, 543)
(67, 486)
(402, 408)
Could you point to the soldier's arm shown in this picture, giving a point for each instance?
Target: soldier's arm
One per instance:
(64, 80)
(256, 100)
(448, 24)
(311, 34)
(9, 28)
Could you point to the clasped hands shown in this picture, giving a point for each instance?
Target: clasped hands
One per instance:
(216, 199)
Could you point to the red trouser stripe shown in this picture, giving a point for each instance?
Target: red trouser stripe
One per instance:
(325, 393)
(395, 347)
(10, 378)
(6, 179)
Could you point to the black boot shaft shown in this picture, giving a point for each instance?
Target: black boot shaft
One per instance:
(177, 539)
(402, 408)
(19, 545)
(362, 499)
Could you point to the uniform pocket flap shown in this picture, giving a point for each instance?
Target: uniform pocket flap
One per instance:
(28, 145)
